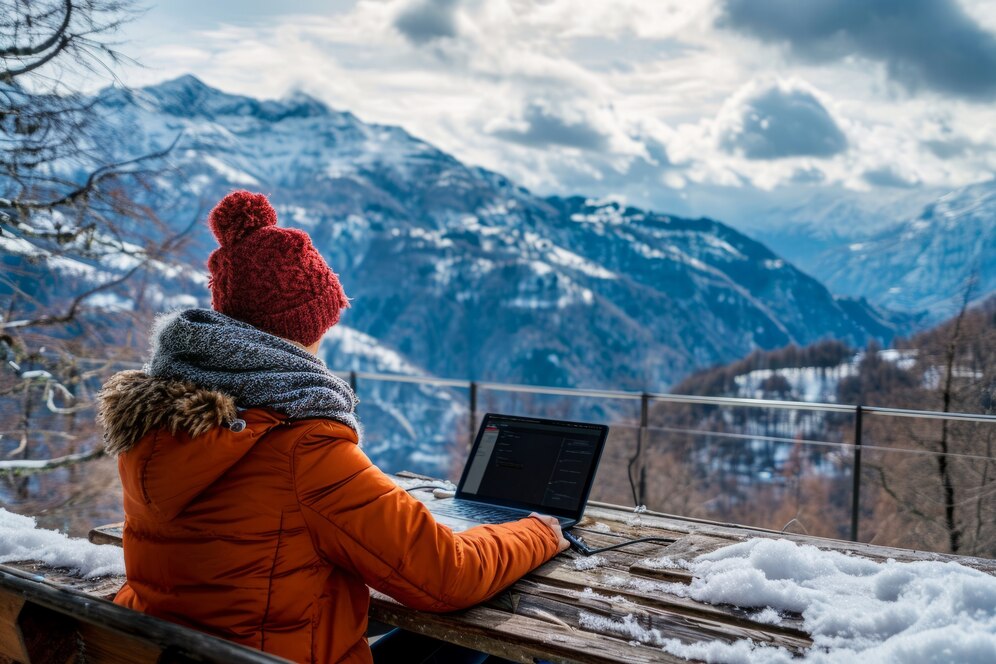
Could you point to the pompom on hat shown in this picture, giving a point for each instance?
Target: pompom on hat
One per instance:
(270, 277)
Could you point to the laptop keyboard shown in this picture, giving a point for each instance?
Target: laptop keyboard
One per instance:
(462, 509)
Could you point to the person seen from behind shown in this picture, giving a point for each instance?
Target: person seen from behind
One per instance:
(251, 512)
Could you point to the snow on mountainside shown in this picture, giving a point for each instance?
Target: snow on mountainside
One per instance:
(925, 262)
(455, 271)
(473, 275)
(826, 219)
(412, 424)
(807, 383)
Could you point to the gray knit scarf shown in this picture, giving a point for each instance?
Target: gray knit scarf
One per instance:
(253, 367)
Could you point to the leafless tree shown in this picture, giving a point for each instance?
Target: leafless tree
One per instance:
(938, 489)
(75, 231)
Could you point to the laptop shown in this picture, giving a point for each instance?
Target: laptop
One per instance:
(520, 465)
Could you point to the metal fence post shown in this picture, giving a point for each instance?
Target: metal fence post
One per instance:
(352, 381)
(638, 483)
(472, 428)
(856, 476)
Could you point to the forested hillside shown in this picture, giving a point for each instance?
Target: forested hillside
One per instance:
(927, 483)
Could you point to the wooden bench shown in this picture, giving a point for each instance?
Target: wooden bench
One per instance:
(42, 622)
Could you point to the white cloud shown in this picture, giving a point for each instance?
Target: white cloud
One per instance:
(777, 120)
(626, 97)
(424, 21)
(922, 44)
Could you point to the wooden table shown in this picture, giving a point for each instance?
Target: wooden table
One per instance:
(540, 616)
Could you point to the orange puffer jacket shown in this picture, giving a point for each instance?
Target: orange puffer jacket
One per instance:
(269, 536)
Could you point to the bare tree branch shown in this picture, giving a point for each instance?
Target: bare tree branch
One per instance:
(95, 178)
(24, 467)
(20, 52)
(10, 74)
(70, 314)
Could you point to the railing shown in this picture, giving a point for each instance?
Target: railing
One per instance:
(645, 399)
(862, 447)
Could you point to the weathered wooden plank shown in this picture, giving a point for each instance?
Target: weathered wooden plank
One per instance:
(613, 582)
(669, 575)
(104, 587)
(31, 633)
(686, 548)
(626, 528)
(641, 550)
(99, 645)
(107, 616)
(50, 636)
(612, 515)
(109, 534)
(520, 638)
(11, 644)
(671, 621)
(690, 546)
(554, 617)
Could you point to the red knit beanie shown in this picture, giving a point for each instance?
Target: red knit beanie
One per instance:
(270, 277)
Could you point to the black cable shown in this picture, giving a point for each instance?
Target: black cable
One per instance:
(579, 545)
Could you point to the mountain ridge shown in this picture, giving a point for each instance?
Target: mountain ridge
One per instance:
(456, 271)
(367, 191)
(928, 262)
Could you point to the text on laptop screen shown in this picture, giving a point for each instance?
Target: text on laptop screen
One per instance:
(537, 464)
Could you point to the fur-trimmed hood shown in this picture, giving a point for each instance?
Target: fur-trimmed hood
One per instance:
(132, 403)
(174, 439)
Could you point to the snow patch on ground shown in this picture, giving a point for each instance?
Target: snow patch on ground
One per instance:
(20, 539)
(767, 616)
(854, 608)
(346, 342)
(299, 216)
(628, 627)
(816, 383)
(806, 383)
(637, 584)
(570, 260)
(590, 562)
(589, 593)
(636, 520)
(233, 175)
(600, 212)
(665, 562)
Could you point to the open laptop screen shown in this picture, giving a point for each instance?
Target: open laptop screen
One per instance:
(541, 465)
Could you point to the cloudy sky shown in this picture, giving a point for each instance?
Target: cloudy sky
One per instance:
(730, 108)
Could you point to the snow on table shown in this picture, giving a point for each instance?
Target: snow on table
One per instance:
(855, 609)
(22, 540)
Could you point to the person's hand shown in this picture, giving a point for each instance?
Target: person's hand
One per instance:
(554, 526)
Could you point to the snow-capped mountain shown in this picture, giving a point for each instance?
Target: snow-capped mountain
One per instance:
(455, 271)
(821, 221)
(923, 263)
(468, 275)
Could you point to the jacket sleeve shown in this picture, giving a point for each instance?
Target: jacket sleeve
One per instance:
(359, 519)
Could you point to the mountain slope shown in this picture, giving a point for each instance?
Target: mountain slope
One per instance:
(469, 273)
(923, 263)
(455, 271)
